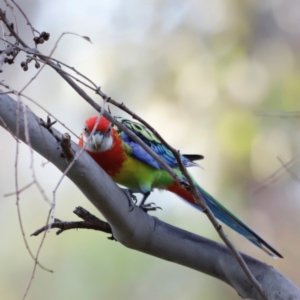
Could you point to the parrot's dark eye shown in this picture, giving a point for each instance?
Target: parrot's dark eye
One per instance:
(86, 130)
(108, 130)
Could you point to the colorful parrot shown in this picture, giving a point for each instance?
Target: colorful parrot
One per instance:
(129, 165)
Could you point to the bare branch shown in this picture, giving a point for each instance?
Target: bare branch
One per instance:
(26, 18)
(90, 222)
(12, 11)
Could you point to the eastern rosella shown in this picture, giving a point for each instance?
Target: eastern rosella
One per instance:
(128, 164)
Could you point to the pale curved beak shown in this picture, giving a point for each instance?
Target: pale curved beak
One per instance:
(97, 139)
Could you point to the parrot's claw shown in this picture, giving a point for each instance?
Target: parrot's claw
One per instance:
(149, 207)
(133, 200)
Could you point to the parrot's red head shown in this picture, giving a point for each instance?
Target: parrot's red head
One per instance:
(102, 139)
(103, 124)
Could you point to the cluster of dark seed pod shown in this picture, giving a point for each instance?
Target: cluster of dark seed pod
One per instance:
(8, 60)
(44, 36)
(13, 53)
(24, 64)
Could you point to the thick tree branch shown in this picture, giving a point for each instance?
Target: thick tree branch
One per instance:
(144, 233)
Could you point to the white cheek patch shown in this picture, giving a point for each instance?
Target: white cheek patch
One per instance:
(88, 143)
(105, 145)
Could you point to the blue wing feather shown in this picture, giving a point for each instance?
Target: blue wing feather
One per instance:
(139, 153)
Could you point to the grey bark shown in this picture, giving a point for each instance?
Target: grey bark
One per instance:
(142, 232)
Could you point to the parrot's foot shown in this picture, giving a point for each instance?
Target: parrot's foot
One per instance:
(145, 196)
(132, 200)
(150, 206)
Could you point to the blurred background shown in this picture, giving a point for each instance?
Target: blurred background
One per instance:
(215, 77)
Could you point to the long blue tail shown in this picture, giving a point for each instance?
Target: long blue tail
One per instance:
(224, 215)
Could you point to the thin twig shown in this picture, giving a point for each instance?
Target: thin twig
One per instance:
(45, 60)
(11, 30)
(26, 18)
(75, 71)
(275, 175)
(12, 11)
(286, 167)
(17, 192)
(90, 222)
(20, 190)
(32, 54)
(27, 138)
(49, 57)
(36, 260)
